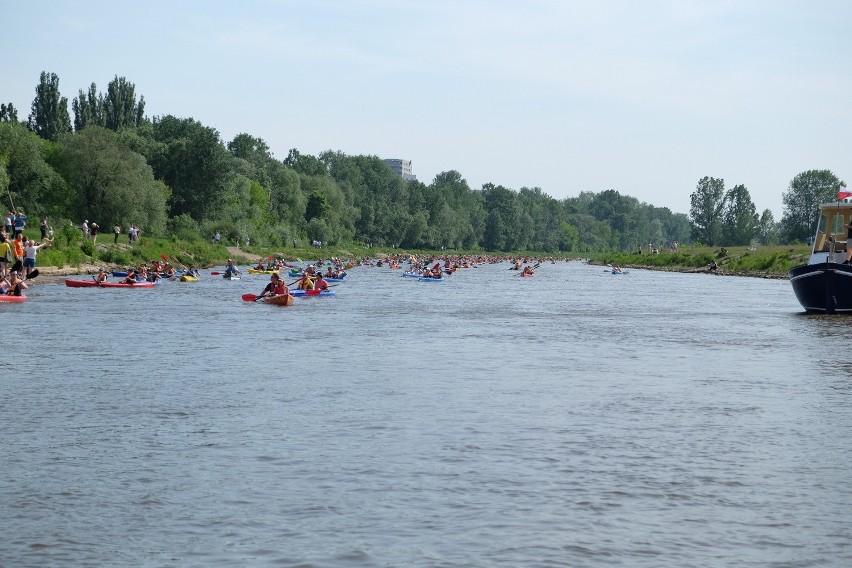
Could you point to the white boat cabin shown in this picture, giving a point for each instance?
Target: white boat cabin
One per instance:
(830, 241)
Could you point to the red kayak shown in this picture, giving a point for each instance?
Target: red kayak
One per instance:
(72, 283)
(7, 298)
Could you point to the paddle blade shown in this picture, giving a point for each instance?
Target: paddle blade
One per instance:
(33, 274)
(214, 273)
(250, 297)
(164, 257)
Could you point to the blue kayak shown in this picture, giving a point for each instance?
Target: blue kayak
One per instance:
(424, 279)
(312, 292)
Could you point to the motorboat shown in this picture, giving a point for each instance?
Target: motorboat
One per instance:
(824, 284)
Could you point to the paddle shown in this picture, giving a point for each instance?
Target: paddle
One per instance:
(250, 297)
(32, 274)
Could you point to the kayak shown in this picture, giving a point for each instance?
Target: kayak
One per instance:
(526, 275)
(188, 278)
(312, 292)
(256, 271)
(12, 299)
(424, 279)
(231, 276)
(72, 283)
(282, 300)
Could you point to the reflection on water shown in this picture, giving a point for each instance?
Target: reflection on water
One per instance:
(571, 419)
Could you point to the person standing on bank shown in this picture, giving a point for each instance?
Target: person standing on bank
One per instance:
(117, 231)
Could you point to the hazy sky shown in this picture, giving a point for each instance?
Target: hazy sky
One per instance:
(644, 97)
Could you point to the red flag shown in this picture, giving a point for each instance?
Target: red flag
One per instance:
(843, 195)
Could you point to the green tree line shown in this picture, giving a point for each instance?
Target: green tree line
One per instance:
(175, 177)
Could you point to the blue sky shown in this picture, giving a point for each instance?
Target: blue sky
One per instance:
(642, 97)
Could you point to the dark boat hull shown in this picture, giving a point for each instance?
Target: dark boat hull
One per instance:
(824, 287)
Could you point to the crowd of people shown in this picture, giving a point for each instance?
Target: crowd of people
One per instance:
(18, 253)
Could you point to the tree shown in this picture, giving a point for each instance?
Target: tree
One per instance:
(8, 113)
(739, 217)
(767, 229)
(112, 183)
(120, 108)
(49, 118)
(706, 204)
(195, 165)
(88, 109)
(802, 200)
(33, 184)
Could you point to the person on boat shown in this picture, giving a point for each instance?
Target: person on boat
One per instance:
(16, 285)
(321, 283)
(260, 266)
(527, 270)
(331, 272)
(131, 277)
(101, 276)
(306, 282)
(192, 270)
(616, 269)
(311, 271)
(276, 287)
(231, 269)
(848, 243)
(436, 271)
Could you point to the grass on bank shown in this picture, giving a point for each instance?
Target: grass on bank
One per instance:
(770, 261)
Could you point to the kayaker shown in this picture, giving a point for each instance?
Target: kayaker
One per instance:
(101, 276)
(131, 276)
(306, 282)
(16, 285)
(192, 271)
(320, 283)
(276, 287)
(528, 270)
(230, 269)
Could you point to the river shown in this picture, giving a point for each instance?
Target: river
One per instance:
(575, 418)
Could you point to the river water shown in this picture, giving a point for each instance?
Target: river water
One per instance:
(575, 418)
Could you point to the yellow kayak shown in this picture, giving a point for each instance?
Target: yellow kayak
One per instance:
(188, 278)
(256, 271)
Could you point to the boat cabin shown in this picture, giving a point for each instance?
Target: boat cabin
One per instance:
(830, 239)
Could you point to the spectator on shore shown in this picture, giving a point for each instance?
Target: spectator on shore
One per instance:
(117, 231)
(93, 229)
(20, 222)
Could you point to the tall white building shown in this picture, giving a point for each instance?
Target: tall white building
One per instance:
(402, 168)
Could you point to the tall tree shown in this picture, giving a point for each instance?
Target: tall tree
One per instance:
(767, 228)
(8, 113)
(88, 109)
(739, 217)
(120, 108)
(802, 200)
(49, 117)
(706, 204)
